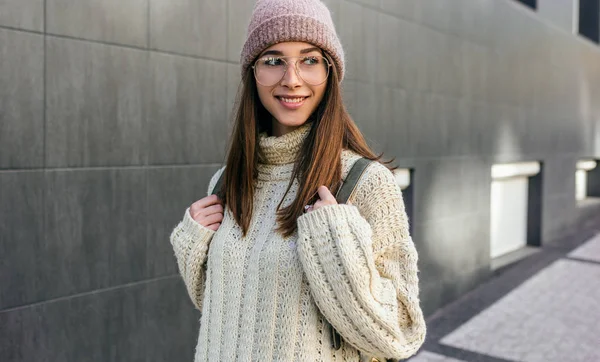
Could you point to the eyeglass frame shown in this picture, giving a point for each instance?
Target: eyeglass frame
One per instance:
(283, 57)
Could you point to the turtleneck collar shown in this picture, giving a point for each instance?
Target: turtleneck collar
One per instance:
(284, 149)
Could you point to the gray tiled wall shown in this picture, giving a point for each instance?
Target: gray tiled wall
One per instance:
(21, 99)
(114, 115)
(111, 21)
(95, 104)
(22, 14)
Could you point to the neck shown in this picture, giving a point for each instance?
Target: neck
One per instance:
(278, 129)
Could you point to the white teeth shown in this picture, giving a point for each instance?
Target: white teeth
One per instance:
(292, 100)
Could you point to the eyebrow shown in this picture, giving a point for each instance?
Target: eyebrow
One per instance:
(278, 52)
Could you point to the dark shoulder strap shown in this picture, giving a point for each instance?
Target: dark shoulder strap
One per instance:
(344, 192)
(342, 196)
(219, 184)
(356, 172)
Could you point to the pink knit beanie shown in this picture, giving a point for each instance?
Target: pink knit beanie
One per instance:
(276, 21)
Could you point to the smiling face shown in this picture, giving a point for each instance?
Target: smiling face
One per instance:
(292, 100)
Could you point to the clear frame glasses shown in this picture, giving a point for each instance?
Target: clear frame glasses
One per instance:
(312, 69)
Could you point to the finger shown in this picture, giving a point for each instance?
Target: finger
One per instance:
(197, 210)
(206, 201)
(214, 227)
(211, 219)
(214, 209)
(208, 212)
(325, 194)
(308, 208)
(317, 205)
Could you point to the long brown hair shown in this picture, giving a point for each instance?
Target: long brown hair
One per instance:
(318, 163)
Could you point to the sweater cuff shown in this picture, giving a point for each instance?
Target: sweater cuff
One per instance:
(192, 229)
(337, 240)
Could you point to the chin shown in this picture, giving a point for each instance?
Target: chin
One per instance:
(291, 121)
(290, 115)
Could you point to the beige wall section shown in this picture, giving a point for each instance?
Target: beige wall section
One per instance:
(562, 13)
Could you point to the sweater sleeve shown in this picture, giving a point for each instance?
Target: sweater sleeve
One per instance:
(190, 242)
(361, 265)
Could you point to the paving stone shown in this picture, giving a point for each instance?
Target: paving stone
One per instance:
(425, 356)
(588, 251)
(551, 317)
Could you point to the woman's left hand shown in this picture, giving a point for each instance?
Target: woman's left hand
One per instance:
(325, 198)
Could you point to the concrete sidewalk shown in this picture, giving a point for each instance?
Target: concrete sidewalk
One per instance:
(545, 308)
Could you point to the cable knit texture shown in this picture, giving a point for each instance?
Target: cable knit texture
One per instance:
(264, 297)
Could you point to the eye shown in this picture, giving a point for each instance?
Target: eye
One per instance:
(273, 61)
(312, 60)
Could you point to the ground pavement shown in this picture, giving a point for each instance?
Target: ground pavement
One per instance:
(545, 308)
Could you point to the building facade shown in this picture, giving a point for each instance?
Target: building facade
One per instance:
(114, 115)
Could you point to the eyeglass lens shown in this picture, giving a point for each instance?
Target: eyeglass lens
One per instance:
(312, 69)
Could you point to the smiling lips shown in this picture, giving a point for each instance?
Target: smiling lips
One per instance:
(291, 102)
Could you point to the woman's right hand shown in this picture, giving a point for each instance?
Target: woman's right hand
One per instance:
(208, 212)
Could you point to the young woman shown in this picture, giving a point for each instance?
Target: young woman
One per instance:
(273, 262)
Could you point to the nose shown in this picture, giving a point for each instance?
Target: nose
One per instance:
(291, 79)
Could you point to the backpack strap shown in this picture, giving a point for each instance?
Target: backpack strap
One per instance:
(344, 192)
(347, 189)
(219, 184)
(342, 196)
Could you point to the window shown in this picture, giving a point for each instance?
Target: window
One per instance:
(589, 16)
(586, 170)
(530, 3)
(515, 213)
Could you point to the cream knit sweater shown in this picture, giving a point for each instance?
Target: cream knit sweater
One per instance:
(264, 297)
